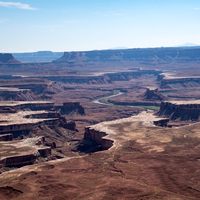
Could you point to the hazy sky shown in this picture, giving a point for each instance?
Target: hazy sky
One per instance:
(71, 25)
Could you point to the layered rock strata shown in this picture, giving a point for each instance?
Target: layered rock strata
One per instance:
(33, 105)
(14, 119)
(169, 80)
(26, 120)
(22, 152)
(180, 110)
(6, 137)
(97, 136)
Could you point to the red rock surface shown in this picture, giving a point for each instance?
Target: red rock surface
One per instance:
(129, 172)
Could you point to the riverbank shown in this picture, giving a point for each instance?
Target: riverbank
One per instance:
(106, 101)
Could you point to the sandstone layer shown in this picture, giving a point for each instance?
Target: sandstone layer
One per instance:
(22, 152)
(170, 80)
(180, 110)
(146, 162)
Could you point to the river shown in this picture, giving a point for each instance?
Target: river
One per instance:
(108, 97)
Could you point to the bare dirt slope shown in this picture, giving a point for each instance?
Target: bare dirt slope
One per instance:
(150, 163)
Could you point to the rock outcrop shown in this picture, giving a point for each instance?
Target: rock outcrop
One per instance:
(69, 107)
(152, 94)
(21, 117)
(6, 137)
(7, 58)
(73, 105)
(71, 125)
(172, 81)
(180, 110)
(32, 105)
(23, 152)
(97, 136)
(162, 122)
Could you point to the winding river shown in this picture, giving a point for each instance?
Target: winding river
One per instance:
(114, 95)
(108, 97)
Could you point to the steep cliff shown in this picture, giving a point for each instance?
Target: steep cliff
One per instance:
(180, 110)
(22, 152)
(173, 81)
(6, 137)
(98, 137)
(150, 54)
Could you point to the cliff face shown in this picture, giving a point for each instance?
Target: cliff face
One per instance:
(178, 111)
(22, 152)
(33, 105)
(105, 78)
(180, 82)
(174, 81)
(132, 54)
(97, 136)
(6, 137)
(8, 59)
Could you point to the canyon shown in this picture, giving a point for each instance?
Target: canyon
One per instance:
(109, 124)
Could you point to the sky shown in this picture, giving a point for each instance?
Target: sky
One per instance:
(80, 25)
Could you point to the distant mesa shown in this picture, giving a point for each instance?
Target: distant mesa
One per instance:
(8, 58)
(139, 54)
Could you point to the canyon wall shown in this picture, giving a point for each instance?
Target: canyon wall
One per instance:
(23, 152)
(33, 105)
(97, 136)
(178, 111)
(6, 137)
(18, 160)
(180, 82)
(132, 54)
